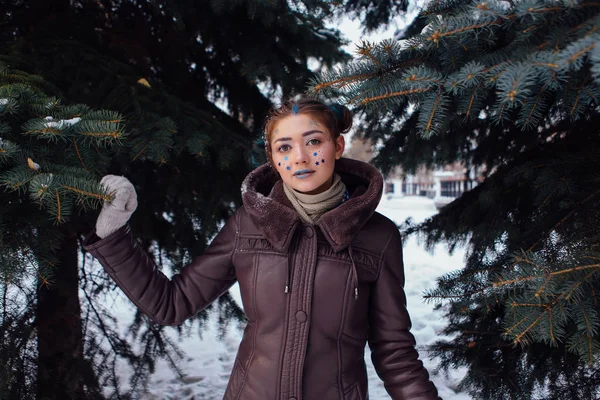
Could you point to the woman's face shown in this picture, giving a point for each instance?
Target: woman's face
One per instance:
(304, 153)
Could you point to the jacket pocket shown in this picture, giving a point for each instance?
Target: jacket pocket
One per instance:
(353, 393)
(236, 381)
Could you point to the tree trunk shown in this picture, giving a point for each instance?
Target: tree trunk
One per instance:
(61, 364)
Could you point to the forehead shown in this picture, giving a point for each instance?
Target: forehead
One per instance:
(296, 125)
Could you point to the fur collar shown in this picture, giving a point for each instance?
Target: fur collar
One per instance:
(272, 214)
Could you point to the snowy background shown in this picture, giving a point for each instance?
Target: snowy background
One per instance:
(208, 361)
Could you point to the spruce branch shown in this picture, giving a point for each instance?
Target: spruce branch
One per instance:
(365, 50)
(340, 83)
(433, 112)
(595, 59)
(78, 153)
(547, 276)
(394, 94)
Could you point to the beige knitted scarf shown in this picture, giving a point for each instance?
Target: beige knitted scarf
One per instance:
(310, 207)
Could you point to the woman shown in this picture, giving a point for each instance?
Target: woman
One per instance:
(320, 272)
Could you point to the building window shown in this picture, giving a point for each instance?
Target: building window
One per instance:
(451, 188)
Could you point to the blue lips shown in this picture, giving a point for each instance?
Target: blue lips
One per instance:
(303, 173)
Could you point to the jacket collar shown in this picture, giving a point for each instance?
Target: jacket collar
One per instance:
(273, 215)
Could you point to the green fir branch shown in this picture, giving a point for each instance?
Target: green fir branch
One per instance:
(432, 115)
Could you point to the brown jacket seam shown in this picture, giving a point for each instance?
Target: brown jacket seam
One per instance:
(253, 251)
(256, 325)
(285, 332)
(339, 338)
(238, 233)
(382, 259)
(305, 303)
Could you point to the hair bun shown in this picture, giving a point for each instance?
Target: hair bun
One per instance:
(343, 117)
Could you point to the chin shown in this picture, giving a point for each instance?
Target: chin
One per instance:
(304, 188)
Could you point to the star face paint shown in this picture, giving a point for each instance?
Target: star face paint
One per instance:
(319, 158)
(300, 147)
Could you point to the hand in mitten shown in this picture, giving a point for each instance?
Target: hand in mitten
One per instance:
(116, 213)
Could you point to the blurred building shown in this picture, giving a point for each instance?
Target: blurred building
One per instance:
(443, 185)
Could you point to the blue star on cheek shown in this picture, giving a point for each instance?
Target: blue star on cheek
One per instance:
(322, 161)
(315, 154)
(285, 158)
(288, 168)
(317, 163)
(279, 164)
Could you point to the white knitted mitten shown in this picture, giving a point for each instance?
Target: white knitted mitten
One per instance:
(116, 213)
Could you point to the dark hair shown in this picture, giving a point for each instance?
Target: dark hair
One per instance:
(337, 118)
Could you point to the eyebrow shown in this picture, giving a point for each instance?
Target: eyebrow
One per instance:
(307, 133)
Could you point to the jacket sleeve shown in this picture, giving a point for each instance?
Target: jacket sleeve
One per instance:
(392, 345)
(167, 302)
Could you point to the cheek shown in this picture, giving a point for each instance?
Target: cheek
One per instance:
(320, 158)
(281, 163)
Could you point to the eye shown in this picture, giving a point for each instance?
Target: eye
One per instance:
(314, 142)
(284, 148)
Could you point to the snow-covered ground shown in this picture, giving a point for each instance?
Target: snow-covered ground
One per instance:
(208, 361)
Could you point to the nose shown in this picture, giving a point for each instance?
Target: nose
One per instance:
(301, 156)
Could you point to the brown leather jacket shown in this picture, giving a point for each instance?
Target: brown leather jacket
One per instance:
(313, 295)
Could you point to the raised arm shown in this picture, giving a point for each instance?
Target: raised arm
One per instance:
(167, 302)
(392, 345)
